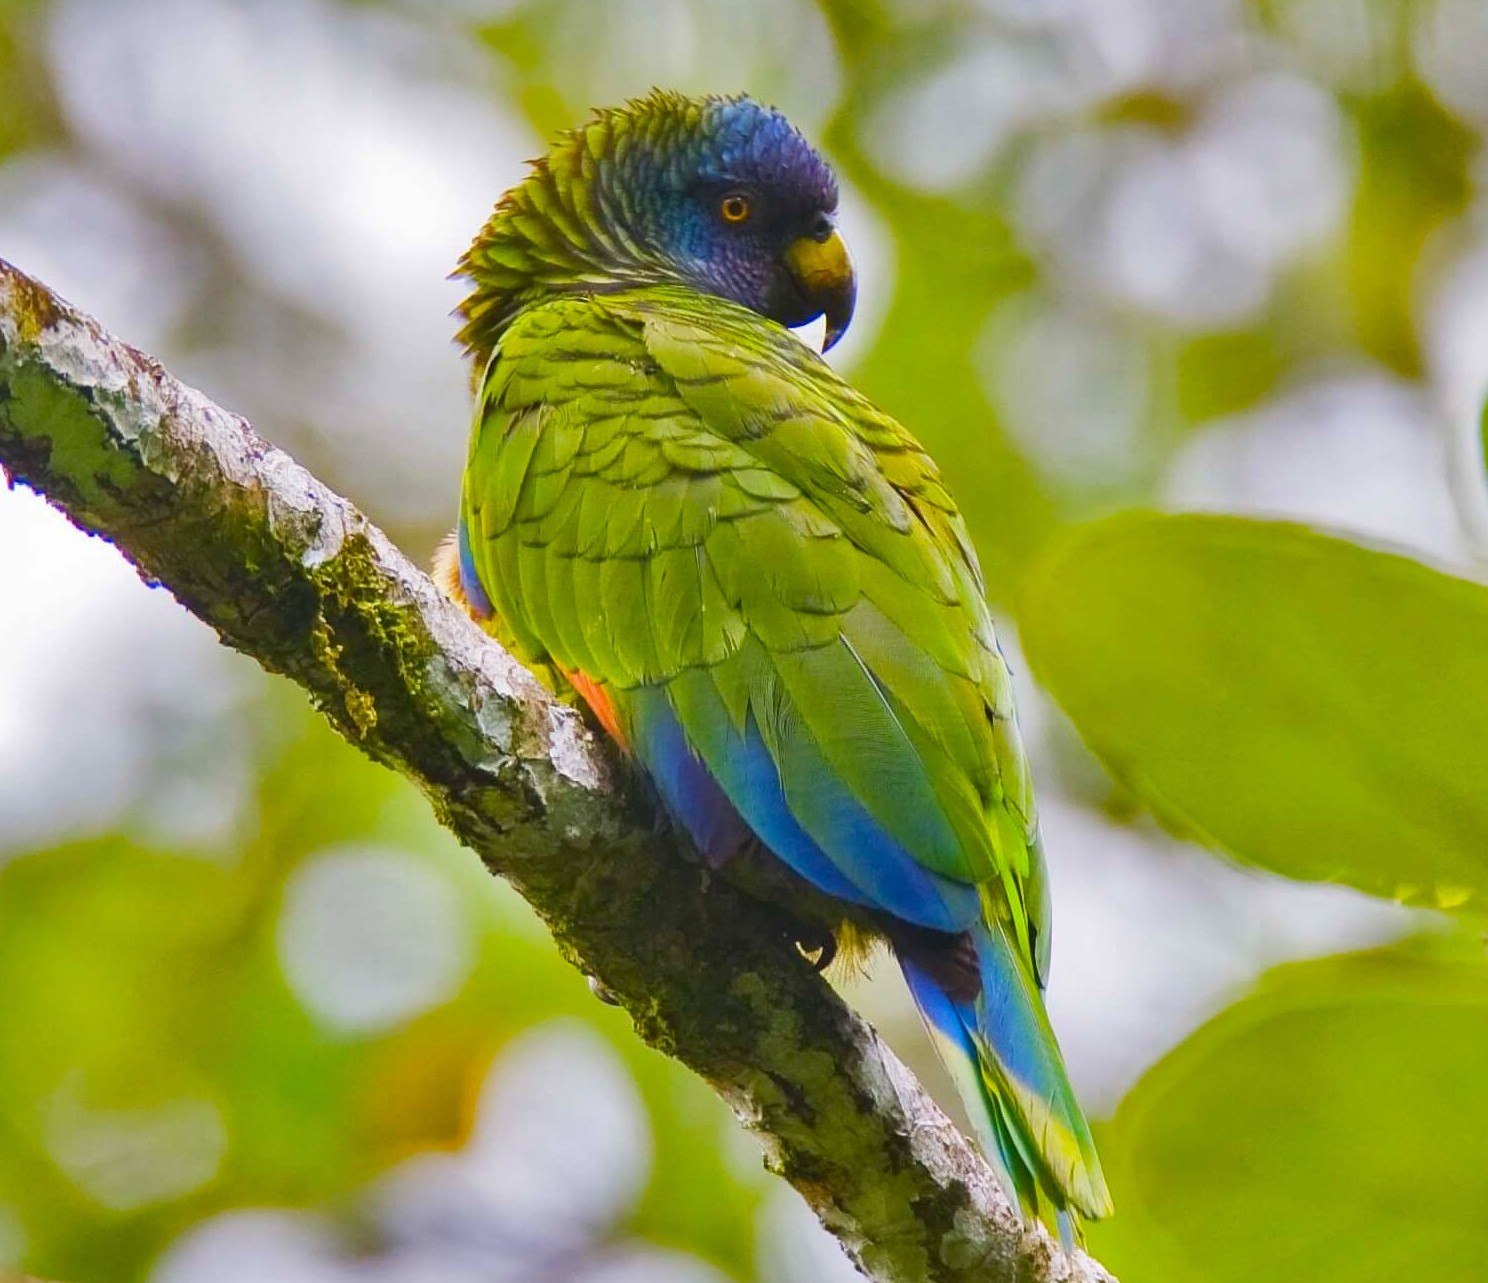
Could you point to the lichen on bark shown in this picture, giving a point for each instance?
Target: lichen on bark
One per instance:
(292, 575)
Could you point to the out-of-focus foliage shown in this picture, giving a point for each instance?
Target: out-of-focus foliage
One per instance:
(279, 1020)
(1226, 254)
(27, 112)
(1310, 706)
(1327, 1126)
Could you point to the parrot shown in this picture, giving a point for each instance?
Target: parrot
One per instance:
(756, 580)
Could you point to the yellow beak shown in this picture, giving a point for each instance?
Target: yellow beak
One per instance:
(823, 273)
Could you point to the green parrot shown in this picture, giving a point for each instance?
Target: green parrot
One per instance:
(756, 579)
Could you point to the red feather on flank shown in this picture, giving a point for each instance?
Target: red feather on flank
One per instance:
(600, 704)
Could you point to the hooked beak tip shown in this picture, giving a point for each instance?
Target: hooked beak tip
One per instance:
(835, 330)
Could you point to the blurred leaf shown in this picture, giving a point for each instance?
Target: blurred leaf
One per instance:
(1414, 177)
(29, 115)
(1308, 705)
(1328, 1127)
(1226, 372)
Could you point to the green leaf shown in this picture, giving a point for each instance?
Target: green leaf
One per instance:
(1303, 703)
(1327, 1127)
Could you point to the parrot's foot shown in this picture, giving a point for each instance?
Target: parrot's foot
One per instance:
(596, 987)
(817, 945)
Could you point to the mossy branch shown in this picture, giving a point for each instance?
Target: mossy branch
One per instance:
(291, 574)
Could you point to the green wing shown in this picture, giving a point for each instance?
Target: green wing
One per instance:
(662, 484)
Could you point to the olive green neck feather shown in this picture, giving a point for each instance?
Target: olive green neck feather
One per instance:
(568, 225)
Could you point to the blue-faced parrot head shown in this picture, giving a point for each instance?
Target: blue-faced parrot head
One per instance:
(732, 195)
(722, 194)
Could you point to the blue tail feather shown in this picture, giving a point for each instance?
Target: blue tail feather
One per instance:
(947, 1025)
(1001, 1052)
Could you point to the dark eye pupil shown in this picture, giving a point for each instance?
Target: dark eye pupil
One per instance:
(735, 208)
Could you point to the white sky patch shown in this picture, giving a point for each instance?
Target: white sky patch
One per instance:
(1116, 45)
(114, 261)
(255, 1247)
(358, 171)
(1273, 167)
(129, 1159)
(792, 1245)
(1349, 44)
(1193, 229)
(100, 679)
(940, 131)
(1036, 64)
(650, 1265)
(1161, 250)
(560, 1152)
(1454, 327)
(781, 51)
(1450, 44)
(1359, 452)
(562, 1137)
(1072, 386)
(369, 938)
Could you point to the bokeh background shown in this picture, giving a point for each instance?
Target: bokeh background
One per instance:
(261, 1019)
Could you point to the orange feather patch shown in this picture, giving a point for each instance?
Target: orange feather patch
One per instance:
(601, 704)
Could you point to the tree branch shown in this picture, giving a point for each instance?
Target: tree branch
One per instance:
(291, 574)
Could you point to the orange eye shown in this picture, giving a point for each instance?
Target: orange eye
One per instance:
(734, 207)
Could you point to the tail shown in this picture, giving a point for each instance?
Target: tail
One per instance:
(987, 1020)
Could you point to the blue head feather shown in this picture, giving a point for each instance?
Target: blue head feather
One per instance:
(691, 154)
